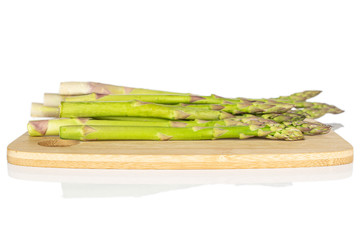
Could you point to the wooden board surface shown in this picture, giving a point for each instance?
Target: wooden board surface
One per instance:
(314, 151)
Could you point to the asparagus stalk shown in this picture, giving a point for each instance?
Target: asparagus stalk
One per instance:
(137, 109)
(234, 106)
(39, 110)
(55, 99)
(51, 127)
(79, 88)
(169, 133)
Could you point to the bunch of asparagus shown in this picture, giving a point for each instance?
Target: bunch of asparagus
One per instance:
(96, 111)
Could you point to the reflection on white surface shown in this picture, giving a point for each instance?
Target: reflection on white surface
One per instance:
(118, 182)
(76, 190)
(335, 126)
(221, 176)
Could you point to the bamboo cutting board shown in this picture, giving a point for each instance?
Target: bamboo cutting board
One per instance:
(314, 151)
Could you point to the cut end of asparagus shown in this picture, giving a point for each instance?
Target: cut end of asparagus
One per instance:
(37, 128)
(39, 110)
(75, 88)
(52, 99)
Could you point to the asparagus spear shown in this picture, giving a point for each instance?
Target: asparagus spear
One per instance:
(234, 106)
(315, 105)
(169, 133)
(137, 109)
(51, 127)
(55, 99)
(105, 89)
(295, 97)
(39, 110)
(79, 88)
(300, 96)
(314, 109)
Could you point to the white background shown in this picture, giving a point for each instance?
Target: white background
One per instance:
(232, 48)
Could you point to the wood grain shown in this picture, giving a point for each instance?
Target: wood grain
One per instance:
(314, 151)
